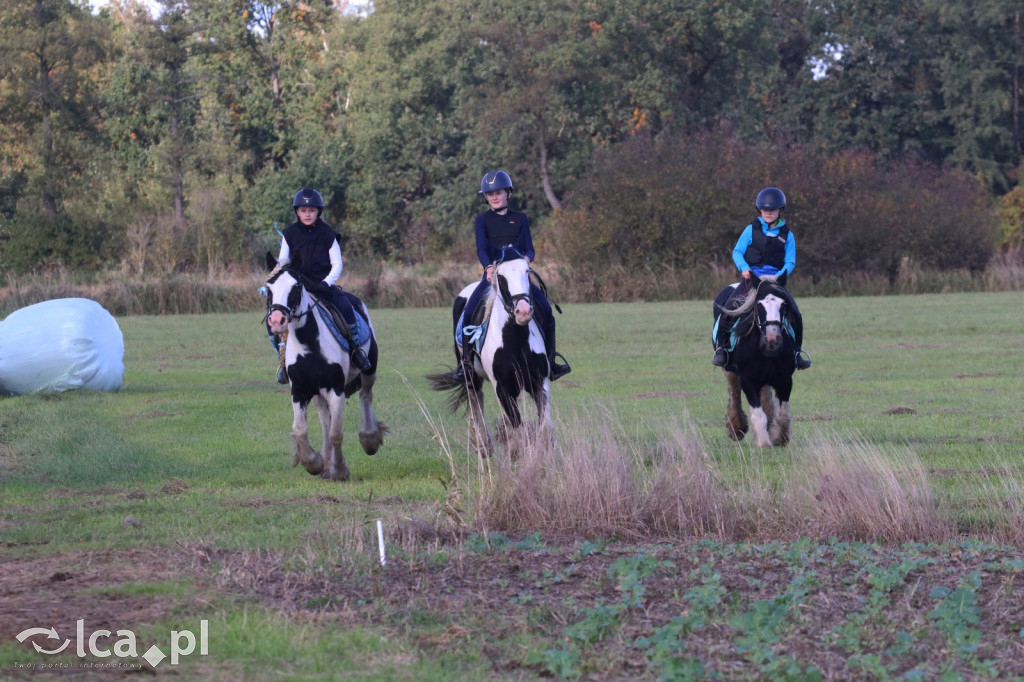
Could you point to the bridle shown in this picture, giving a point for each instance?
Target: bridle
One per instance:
(763, 326)
(507, 298)
(755, 313)
(283, 309)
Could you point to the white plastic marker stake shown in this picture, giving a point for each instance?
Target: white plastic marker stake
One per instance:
(380, 539)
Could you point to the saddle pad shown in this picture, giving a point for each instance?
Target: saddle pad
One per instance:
(478, 332)
(361, 332)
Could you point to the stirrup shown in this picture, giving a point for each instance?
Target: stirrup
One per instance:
(721, 357)
(360, 360)
(282, 375)
(558, 370)
(803, 360)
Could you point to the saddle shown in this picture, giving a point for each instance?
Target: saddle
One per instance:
(336, 324)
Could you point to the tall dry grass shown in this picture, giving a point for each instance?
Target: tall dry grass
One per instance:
(598, 481)
(385, 285)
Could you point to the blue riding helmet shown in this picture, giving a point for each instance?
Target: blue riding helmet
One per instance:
(495, 180)
(770, 199)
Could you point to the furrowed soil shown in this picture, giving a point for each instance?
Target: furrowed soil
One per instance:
(613, 611)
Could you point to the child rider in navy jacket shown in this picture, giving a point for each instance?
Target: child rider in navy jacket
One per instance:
(496, 229)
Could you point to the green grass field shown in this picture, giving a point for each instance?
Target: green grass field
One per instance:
(174, 500)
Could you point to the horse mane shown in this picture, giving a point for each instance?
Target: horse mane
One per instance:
(278, 269)
(751, 299)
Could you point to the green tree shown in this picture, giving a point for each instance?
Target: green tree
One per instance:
(51, 62)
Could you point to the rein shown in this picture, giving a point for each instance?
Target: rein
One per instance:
(509, 301)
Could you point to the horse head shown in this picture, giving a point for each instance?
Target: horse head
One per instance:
(284, 298)
(512, 279)
(770, 315)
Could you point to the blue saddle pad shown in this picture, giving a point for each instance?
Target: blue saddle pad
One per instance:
(361, 333)
(477, 332)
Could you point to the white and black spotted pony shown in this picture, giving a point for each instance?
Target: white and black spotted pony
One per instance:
(509, 352)
(319, 369)
(761, 360)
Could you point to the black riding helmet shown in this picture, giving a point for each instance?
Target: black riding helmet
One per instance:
(309, 197)
(770, 199)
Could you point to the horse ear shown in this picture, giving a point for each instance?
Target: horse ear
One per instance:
(271, 261)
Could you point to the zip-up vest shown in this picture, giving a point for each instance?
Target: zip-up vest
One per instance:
(501, 230)
(765, 250)
(310, 247)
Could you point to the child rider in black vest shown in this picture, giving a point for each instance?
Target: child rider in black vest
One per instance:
(313, 247)
(495, 229)
(766, 247)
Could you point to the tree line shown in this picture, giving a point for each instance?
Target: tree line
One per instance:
(636, 131)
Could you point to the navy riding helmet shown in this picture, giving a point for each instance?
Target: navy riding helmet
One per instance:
(495, 180)
(770, 199)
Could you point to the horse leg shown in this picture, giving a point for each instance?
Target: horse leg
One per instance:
(758, 418)
(511, 420)
(735, 420)
(332, 416)
(304, 452)
(782, 428)
(545, 428)
(768, 403)
(782, 431)
(371, 432)
(481, 435)
(759, 424)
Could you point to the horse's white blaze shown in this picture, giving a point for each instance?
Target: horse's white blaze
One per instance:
(772, 341)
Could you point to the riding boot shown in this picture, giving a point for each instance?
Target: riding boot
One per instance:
(558, 369)
(360, 360)
(721, 355)
(465, 367)
(803, 360)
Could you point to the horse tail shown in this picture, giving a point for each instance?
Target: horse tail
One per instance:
(446, 381)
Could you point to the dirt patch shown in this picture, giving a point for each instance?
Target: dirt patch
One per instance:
(736, 609)
(103, 589)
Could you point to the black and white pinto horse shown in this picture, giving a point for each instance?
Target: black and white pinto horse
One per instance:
(762, 359)
(319, 371)
(511, 356)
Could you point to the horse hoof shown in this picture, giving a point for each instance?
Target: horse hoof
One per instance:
(370, 442)
(336, 475)
(314, 466)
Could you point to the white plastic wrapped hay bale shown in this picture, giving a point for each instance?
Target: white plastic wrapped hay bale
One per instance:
(60, 345)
